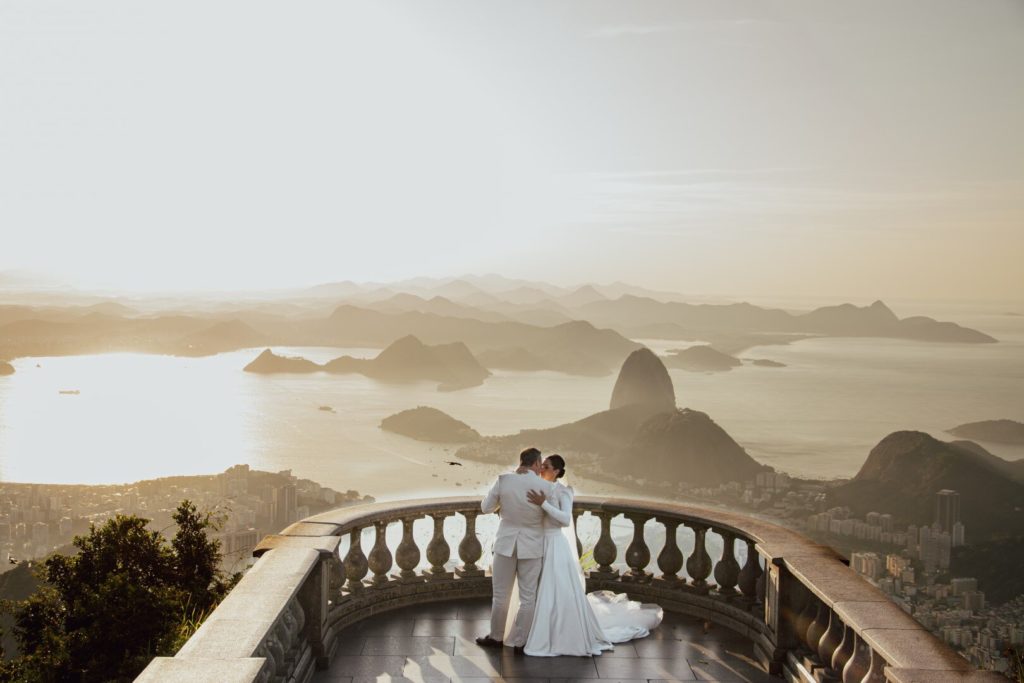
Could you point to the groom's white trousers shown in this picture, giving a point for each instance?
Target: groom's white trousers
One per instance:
(504, 573)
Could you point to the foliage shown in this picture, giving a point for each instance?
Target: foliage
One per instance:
(127, 596)
(1016, 658)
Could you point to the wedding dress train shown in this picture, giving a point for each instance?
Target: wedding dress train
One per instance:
(567, 620)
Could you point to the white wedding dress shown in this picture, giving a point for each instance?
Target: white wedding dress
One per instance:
(568, 621)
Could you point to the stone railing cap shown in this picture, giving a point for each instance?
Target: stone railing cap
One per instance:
(205, 670)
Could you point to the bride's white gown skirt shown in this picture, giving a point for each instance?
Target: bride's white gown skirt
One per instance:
(567, 621)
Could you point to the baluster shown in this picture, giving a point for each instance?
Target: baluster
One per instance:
(407, 554)
(336, 576)
(300, 618)
(605, 551)
(267, 650)
(267, 671)
(727, 571)
(576, 512)
(806, 617)
(670, 559)
(844, 652)
(830, 640)
(355, 562)
(876, 674)
(438, 551)
(817, 628)
(276, 646)
(293, 627)
(751, 572)
(380, 555)
(698, 565)
(638, 555)
(469, 549)
(857, 668)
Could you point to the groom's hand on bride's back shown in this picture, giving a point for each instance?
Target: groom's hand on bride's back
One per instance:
(535, 497)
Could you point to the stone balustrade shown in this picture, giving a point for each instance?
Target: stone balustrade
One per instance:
(809, 616)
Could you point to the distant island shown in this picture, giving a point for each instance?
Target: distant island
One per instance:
(701, 359)
(766, 363)
(406, 360)
(994, 431)
(429, 424)
(269, 362)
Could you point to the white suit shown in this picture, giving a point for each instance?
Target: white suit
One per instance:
(518, 549)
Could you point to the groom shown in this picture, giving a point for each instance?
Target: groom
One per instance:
(518, 548)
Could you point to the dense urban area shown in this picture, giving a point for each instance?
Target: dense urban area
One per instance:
(910, 564)
(247, 504)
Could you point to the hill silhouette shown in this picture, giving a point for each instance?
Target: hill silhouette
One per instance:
(637, 316)
(1014, 469)
(410, 360)
(269, 363)
(438, 305)
(995, 431)
(228, 334)
(429, 424)
(702, 358)
(688, 446)
(904, 471)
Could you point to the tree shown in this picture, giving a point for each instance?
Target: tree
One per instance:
(126, 597)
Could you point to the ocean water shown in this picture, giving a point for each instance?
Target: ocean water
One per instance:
(140, 416)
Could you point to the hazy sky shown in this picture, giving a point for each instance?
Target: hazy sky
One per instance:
(868, 149)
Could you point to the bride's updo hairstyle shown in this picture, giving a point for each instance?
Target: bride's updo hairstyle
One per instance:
(558, 464)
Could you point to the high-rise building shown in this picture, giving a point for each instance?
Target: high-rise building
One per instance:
(974, 601)
(959, 534)
(947, 509)
(943, 545)
(867, 563)
(928, 551)
(283, 506)
(41, 533)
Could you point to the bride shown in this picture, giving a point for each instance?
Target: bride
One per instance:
(570, 622)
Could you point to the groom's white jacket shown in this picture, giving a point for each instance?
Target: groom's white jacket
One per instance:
(521, 530)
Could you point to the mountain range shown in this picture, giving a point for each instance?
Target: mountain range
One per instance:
(507, 324)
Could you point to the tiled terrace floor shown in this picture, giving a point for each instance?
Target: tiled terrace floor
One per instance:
(434, 643)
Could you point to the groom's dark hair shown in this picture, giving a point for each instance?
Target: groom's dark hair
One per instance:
(529, 457)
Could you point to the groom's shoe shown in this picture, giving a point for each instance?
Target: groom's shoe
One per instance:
(487, 641)
(519, 650)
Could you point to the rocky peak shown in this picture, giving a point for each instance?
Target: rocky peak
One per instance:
(643, 379)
